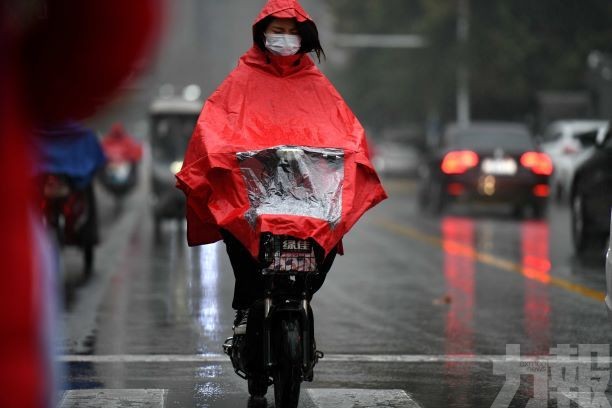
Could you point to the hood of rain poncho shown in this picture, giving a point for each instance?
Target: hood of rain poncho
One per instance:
(276, 149)
(69, 149)
(283, 9)
(118, 145)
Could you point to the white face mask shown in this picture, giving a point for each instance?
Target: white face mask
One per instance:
(283, 44)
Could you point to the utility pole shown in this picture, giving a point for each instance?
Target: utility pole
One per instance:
(463, 70)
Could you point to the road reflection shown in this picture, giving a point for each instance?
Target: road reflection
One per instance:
(460, 256)
(458, 239)
(206, 388)
(536, 265)
(459, 270)
(208, 296)
(462, 241)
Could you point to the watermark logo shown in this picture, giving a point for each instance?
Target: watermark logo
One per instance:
(570, 374)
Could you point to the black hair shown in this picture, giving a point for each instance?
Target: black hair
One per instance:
(307, 30)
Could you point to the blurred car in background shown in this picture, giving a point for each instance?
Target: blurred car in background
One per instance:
(486, 162)
(591, 198)
(395, 159)
(562, 142)
(172, 123)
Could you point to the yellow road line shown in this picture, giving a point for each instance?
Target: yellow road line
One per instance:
(490, 260)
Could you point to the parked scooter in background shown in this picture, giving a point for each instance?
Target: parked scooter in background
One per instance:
(172, 121)
(70, 215)
(68, 156)
(120, 174)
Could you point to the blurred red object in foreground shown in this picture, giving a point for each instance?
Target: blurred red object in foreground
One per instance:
(59, 59)
(78, 56)
(24, 379)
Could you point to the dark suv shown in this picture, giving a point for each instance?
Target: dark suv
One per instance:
(591, 197)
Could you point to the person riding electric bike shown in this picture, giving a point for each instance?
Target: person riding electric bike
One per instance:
(278, 168)
(68, 155)
(124, 153)
(120, 174)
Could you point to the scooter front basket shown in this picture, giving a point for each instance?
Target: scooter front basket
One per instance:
(285, 254)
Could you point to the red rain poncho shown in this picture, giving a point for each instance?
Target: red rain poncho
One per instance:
(266, 102)
(119, 146)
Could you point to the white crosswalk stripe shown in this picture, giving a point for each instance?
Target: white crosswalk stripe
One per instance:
(334, 358)
(349, 398)
(108, 398)
(320, 397)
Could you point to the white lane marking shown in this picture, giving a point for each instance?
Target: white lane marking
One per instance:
(332, 358)
(144, 358)
(109, 398)
(350, 398)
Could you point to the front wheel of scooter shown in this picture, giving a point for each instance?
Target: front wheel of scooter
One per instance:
(288, 373)
(258, 387)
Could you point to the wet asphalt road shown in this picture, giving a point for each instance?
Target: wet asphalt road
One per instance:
(412, 290)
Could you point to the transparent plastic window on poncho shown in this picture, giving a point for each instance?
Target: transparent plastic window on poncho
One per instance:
(294, 180)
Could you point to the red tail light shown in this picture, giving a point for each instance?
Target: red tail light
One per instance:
(459, 162)
(541, 190)
(455, 189)
(538, 163)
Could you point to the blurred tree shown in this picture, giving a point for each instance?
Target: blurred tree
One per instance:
(379, 84)
(516, 48)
